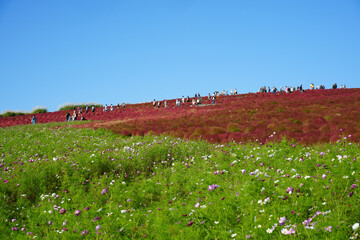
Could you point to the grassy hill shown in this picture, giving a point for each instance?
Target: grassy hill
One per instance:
(62, 182)
(309, 117)
(294, 175)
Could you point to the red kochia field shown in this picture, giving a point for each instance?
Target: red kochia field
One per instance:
(313, 116)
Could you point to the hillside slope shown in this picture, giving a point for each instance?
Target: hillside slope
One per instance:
(309, 117)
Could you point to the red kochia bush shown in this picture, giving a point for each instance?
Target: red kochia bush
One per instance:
(308, 117)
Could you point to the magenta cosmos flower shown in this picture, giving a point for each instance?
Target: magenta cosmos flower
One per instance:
(213, 187)
(105, 190)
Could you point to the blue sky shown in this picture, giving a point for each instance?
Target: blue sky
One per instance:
(57, 52)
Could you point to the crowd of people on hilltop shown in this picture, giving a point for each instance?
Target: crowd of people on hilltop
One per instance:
(197, 100)
(289, 89)
(78, 112)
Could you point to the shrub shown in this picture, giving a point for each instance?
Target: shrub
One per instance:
(233, 127)
(12, 114)
(216, 130)
(39, 109)
(73, 106)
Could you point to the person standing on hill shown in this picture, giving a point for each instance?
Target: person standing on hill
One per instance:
(33, 119)
(154, 103)
(74, 115)
(87, 108)
(93, 109)
(67, 115)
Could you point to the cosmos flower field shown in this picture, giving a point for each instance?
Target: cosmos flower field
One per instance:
(58, 181)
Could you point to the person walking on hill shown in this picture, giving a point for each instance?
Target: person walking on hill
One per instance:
(93, 109)
(87, 108)
(33, 119)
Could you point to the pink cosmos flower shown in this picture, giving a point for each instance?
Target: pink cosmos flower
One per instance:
(213, 187)
(282, 221)
(105, 190)
(290, 190)
(328, 229)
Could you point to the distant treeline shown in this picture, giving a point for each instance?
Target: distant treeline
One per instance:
(15, 113)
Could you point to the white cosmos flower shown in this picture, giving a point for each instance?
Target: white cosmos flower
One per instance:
(355, 226)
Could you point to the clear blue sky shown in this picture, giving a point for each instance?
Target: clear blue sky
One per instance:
(56, 52)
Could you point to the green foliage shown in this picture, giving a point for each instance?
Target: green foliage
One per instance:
(160, 187)
(233, 127)
(12, 114)
(39, 110)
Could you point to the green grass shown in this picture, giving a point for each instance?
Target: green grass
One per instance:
(155, 187)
